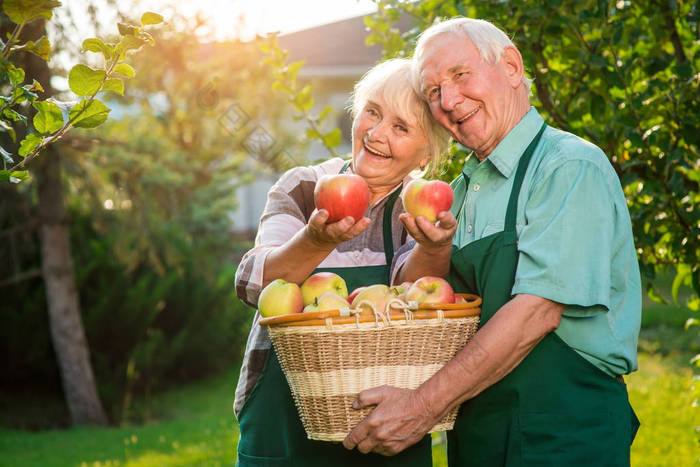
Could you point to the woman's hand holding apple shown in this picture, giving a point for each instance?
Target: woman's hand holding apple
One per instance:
(327, 235)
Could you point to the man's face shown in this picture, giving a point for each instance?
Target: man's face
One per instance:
(473, 100)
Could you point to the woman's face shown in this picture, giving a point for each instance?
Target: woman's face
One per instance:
(386, 146)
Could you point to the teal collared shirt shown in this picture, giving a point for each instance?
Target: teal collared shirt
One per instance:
(575, 238)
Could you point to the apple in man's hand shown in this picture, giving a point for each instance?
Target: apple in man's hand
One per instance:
(321, 282)
(280, 298)
(430, 289)
(327, 301)
(342, 195)
(427, 198)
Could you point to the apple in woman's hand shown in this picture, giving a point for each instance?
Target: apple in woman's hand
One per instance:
(342, 195)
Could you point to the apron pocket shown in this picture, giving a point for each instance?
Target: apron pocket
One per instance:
(245, 460)
(567, 439)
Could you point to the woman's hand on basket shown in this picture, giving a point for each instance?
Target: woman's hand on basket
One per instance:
(428, 234)
(399, 420)
(332, 234)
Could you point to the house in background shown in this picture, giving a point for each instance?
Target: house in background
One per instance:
(335, 57)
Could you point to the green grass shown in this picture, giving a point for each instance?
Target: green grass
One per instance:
(196, 427)
(194, 424)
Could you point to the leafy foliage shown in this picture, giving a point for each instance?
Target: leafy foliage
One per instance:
(624, 75)
(49, 123)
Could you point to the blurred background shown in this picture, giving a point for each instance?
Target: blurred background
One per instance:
(160, 202)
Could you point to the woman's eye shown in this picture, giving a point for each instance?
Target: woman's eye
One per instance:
(402, 128)
(372, 112)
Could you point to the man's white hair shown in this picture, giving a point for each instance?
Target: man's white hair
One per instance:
(488, 39)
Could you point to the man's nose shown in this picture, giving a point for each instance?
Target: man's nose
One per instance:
(450, 97)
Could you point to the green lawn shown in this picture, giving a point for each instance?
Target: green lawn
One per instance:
(194, 424)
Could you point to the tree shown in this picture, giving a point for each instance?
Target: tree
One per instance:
(50, 122)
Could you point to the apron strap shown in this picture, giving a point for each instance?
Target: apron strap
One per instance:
(386, 226)
(510, 236)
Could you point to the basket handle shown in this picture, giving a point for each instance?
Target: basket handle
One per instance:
(377, 315)
(400, 304)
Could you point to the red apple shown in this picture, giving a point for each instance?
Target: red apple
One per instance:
(427, 198)
(430, 289)
(354, 293)
(327, 301)
(280, 298)
(321, 282)
(342, 195)
(378, 295)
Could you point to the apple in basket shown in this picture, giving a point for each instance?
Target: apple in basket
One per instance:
(430, 289)
(321, 282)
(327, 301)
(427, 198)
(354, 293)
(280, 298)
(401, 289)
(378, 295)
(342, 195)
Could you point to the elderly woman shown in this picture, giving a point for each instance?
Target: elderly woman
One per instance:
(393, 135)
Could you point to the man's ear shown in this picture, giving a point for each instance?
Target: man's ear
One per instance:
(513, 66)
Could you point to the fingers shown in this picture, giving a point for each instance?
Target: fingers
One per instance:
(429, 233)
(371, 397)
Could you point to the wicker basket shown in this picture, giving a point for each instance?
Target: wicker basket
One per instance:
(329, 357)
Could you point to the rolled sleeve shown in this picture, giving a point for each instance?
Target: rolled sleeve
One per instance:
(564, 247)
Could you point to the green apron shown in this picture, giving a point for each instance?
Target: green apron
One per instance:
(555, 408)
(271, 433)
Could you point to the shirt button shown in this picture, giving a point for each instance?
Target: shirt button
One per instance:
(469, 228)
(476, 187)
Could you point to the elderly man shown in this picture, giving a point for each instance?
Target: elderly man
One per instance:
(544, 236)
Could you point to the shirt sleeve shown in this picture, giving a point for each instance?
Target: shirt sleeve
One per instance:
(565, 247)
(284, 215)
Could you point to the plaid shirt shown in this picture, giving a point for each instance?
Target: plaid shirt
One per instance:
(290, 203)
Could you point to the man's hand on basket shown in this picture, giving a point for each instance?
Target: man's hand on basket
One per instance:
(428, 234)
(335, 233)
(399, 420)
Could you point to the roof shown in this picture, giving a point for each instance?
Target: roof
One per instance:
(335, 49)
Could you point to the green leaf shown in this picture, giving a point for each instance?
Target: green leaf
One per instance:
(125, 70)
(29, 143)
(6, 156)
(96, 45)
(15, 74)
(683, 275)
(654, 294)
(129, 43)
(126, 29)
(42, 48)
(25, 11)
(89, 116)
(49, 118)
(151, 18)
(333, 138)
(114, 85)
(36, 86)
(147, 37)
(13, 115)
(84, 81)
(4, 126)
(13, 177)
(692, 322)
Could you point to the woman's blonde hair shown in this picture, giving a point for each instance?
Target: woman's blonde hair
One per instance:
(391, 81)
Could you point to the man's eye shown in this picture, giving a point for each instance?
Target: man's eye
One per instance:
(433, 94)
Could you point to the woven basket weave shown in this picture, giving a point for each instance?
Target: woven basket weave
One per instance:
(329, 357)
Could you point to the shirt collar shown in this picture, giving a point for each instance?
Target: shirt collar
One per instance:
(507, 154)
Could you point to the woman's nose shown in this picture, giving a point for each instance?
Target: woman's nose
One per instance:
(377, 132)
